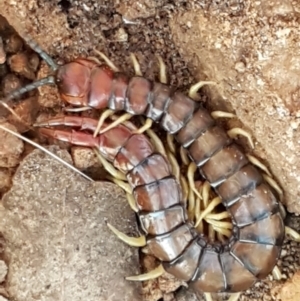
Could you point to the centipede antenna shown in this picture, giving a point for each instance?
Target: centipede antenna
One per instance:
(39, 83)
(46, 151)
(34, 45)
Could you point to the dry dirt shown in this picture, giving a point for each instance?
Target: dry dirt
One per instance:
(250, 49)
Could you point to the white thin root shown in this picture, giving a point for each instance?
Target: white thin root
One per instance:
(194, 89)
(222, 114)
(46, 151)
(208, 296)
(147, 125)
(136, 65)
(118, 121)
(109, 168)
(234, 297)
(190, 176)
(223, 231)
(157, 272)
(183, 155)
(156, 142)
(292, 233)
(276, 273)
(212, 205)
(162, 70)
(273, 184)
(170, 143)
(102, 118)
(131, 241)
(238, 131)
(174, 164)
(107, 60)
(260, 165)
(132, 202)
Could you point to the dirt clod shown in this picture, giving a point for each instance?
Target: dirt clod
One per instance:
(11, 150)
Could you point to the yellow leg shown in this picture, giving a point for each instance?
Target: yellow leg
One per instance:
(208, 209)
(276, 273)
(132, 202)
(170, 143)
(211, 233)
(205, 193)
(109, 168)
(120, 120)
(147, 125)
(148, 276)
(190, 175)
(131, 241)
(183, 155)
(218, 216)
(102, 118)
(223, 231)
(208, 296)
(219, 224)
(174, 164)
(292, 233)
(162, 70)
(272, 183)
(136, 65)
(234, 297)
(107, 61)
(191, 206)
(257, 163)
(76, 110)
(185, 188)
(221, 114)
(238, 131)
(194, 89)
(157, 142)
(125, 186)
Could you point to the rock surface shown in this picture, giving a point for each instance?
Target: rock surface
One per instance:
(57, 242)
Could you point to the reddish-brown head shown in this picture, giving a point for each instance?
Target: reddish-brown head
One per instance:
(73, 82)
(85, 83)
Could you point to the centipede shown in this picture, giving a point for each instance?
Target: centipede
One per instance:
(254, 246)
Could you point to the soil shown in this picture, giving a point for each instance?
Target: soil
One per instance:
(248, 48)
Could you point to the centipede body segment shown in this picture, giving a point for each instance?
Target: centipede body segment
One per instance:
(258, 232)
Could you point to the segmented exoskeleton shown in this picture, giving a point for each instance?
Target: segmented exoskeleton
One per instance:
(258, 233)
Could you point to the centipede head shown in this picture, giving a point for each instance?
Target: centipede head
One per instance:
(84, 83)
(72, 80)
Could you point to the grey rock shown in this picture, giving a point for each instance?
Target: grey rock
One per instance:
(57, 241)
